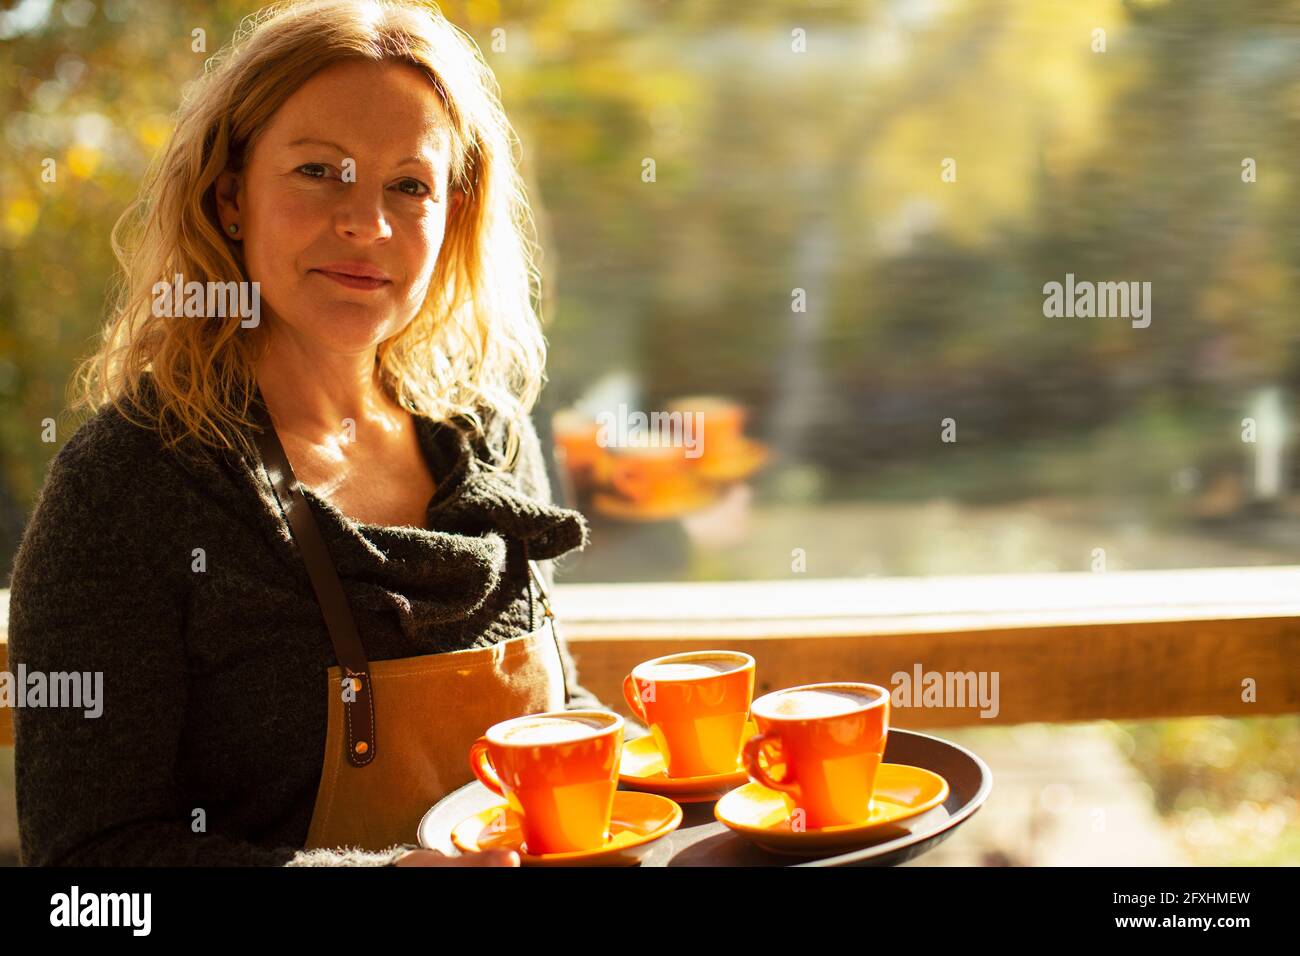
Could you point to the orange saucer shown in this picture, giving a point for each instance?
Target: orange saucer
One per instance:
(763, 815)
(643, 768)
(736, 463)
(691, 499)
(639, 820)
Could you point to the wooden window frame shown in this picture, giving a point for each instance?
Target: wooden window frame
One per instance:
(1066, 646)
(1119, 645)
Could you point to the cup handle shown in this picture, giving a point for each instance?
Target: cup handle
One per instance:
(602, 468)
(481, 764)
(753, 748)
(633, 699)
(626, 481)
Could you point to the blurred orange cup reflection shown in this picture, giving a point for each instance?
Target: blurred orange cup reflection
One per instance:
(575, 435)
(645, 473)
(723, 422)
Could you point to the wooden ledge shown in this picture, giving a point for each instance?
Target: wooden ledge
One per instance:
(1065, 646)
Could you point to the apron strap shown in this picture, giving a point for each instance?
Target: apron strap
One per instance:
(550, 614)
(358, 707)
(541, 597)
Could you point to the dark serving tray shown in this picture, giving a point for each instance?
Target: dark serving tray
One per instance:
(702, 841)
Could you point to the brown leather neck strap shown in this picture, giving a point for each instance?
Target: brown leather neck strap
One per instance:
(550, 615)
(358, 703)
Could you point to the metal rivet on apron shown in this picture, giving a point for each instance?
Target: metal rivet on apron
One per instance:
(356, 684)
(362, 746)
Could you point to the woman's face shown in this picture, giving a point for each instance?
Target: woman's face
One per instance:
(349, 176)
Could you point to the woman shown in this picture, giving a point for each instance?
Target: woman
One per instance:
(349, 164)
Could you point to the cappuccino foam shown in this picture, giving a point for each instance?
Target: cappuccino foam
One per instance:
(817, 703)
(552, 730)
(692, 669)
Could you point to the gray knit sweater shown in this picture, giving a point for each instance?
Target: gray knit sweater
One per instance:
(175, 575)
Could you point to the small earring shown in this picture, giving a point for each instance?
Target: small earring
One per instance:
(233, 228)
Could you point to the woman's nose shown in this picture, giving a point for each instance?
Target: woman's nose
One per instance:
(362, 217)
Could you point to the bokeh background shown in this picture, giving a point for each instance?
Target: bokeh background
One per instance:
(778, 170)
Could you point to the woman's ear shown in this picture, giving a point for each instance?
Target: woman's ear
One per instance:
(226, 193)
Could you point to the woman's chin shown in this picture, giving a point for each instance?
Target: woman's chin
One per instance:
(348, 326)
(343, 310)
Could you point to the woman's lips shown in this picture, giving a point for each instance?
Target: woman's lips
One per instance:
(353, 282)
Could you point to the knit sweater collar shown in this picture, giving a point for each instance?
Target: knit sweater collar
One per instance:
(433, 576)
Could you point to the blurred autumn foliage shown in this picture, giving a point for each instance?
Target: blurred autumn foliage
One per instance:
(795, 147)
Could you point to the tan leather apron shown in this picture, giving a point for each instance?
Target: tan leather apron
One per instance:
(400, 730)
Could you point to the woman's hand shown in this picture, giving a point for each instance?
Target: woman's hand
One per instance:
(437, 858)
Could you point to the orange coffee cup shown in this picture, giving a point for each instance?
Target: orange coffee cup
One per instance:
(722, 420)
(558, 771)
(575, 438)
(831, 739)
(643, 472)
(695, 704)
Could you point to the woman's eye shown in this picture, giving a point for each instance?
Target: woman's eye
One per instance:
(412, 187)
(420, 188)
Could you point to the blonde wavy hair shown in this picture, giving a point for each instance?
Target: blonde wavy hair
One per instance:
(476, 343)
